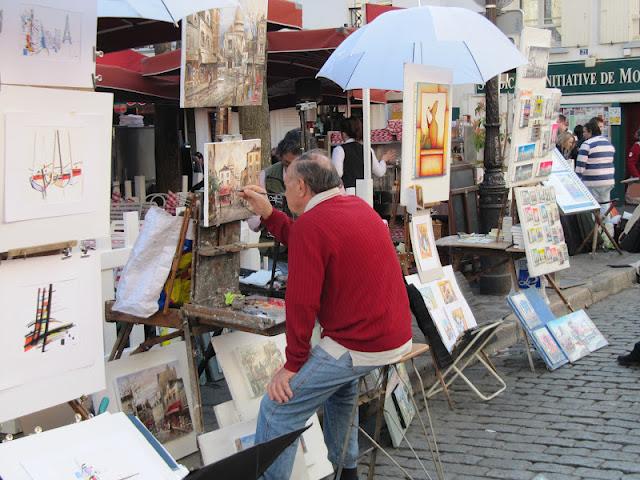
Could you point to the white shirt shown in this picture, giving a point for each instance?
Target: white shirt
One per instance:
(333, 348)
(378, 167)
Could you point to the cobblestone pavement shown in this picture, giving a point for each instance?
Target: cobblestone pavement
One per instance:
(581, 421)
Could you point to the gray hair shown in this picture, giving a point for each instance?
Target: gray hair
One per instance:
(316, 170)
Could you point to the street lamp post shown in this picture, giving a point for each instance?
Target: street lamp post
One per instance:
(493, 190)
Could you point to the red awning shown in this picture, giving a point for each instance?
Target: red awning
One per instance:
(285, 13)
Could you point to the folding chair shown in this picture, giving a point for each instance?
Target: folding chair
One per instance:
(600, 227)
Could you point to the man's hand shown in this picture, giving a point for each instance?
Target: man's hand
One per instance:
(258, 200)
(279, 389)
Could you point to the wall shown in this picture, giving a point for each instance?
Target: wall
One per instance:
(325, 13)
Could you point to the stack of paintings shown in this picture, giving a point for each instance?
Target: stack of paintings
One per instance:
(399, 409)
(557, 340)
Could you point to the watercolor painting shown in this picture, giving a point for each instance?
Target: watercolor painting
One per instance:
(573, 347)
(51, 32)
(447, 291)
(157, 396)
(223, 56)
(229, 166)
(432, 130)
(259, 363)
(525, 310)
(48, 329)
(424, 247)
(538, 62)
(526, 152)
(551, 352)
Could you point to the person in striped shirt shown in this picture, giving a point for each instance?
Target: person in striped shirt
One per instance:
(594, 164)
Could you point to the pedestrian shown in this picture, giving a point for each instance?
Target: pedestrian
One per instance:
(566, 144)
(633, 159)
(594, 164)
(578, 133)
(348, 158)
(632, 358)
(343, 272)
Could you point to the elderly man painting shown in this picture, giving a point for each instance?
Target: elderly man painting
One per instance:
(343, 271)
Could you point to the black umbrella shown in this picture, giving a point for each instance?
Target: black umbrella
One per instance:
(247, 464)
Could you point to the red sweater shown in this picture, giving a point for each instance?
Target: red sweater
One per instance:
(633, 161)
(343, 270)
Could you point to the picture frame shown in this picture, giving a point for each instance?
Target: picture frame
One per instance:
(155, 386)
(52, 335)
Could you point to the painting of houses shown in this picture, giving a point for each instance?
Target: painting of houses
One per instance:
(229, 166)
(223, 62)
(157, 396)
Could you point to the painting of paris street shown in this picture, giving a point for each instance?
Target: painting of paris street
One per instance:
(157, 396)
(229, 166)
(223, 56)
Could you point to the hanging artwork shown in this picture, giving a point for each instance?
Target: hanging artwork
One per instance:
(426, 134)
(229, 166)
(424, 247)
(223, 56)
(544, 242)
(447, 306)
(248, 362)
(526, 152)
(55, 152)
(155, 387)
(538, 62)
(53, 36)
(52, 332)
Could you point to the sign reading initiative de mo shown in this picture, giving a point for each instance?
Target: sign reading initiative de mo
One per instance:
(573, 78)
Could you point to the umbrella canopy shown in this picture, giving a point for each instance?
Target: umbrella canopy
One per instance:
(165, 10)
(456, 39)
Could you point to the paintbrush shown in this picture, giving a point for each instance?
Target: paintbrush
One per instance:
(240, 190)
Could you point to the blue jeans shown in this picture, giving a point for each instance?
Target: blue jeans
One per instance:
(322, 380)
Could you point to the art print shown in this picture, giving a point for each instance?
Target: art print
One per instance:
(524, 172)
(585, 330)
(424, 247)
(525, 112)
(573, 347)
(525, 310)
(544, 168)
(432, 126)
(446, 290)
(259, 363)
(398, 406)
(526, 152)
(426, 135)
(229, 166)
(56, 37)
(538, 62)
(52, 332)
(547, 346)
(402, 399)
(223, 56)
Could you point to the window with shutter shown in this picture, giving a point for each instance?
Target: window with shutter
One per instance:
(616, 21)
(576, 23)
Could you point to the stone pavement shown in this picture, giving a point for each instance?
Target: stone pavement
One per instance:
(581, 421)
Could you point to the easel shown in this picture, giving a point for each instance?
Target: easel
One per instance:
(60, 248)
(600, 227)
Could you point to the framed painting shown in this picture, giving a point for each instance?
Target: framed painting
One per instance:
(55, 159)
(424, 247)
(155, 387)
(426, 134)
(223, 56)
(48, 42)
(248, 362)
(229, 166)
(52, 332)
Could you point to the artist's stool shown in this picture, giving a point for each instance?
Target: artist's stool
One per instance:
(416, 349)
(600, 227)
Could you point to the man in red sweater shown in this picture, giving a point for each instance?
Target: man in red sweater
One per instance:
(344, 273)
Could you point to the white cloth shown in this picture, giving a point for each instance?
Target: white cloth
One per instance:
(332, 347)
(378, 167)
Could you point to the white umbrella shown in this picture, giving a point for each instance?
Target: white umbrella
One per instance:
(164, 10)
(456, 39)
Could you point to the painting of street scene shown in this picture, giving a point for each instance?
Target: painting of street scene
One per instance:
(229, 166)
(223, 60)
(157, 396)
(259, 363)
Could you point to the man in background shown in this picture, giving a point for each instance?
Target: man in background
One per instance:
(594, 164)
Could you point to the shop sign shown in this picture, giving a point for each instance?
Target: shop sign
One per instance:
(608, 76)
(507, 83)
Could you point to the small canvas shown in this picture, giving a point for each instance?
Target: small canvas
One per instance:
(399, 405)
(524, 310)
(546, 345)
(224, 56)
(229, 166)
(155, 387)
(48, 42)
(526, 152)
(52, 332)
(425, 251)
(55, 154)
(248, 362)
(584, 329)
(573, 346)
(426, 134)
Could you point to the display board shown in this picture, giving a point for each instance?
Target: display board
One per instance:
(51, 345)
(48, 42)
(223, 56)
(155, 387)
(229, 166)
(55, 165)
(544, 243)
(572, 195)
(426, 134)
(447, 306)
